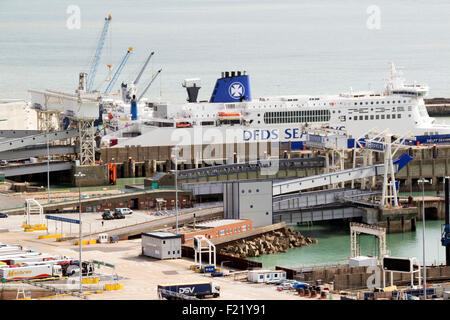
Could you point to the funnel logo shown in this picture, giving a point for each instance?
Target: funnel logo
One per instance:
(236, 90)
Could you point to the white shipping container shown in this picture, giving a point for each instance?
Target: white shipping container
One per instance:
(266, 275)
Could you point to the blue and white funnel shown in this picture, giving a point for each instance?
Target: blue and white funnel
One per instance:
(232, 87)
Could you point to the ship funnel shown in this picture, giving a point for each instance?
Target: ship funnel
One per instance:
(134, 110)
(234, 86)
(192, 86)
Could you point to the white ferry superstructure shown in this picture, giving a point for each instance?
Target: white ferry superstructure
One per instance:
(232, 115)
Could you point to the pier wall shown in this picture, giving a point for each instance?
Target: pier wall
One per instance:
(431, 162)
(438, 107)
(94, 176)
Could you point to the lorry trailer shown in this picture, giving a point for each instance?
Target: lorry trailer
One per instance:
(16, 253)
(20, 255)
(38, 258)
(199, 290)
(30, 272)
(5, 247)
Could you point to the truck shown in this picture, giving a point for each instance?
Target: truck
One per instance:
(198, 290)
(124, 210)
(72, 267)
(30, 272)
(109, 215)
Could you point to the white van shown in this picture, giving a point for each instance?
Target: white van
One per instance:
(124, 210)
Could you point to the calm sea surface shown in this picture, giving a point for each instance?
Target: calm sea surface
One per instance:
(287, 47)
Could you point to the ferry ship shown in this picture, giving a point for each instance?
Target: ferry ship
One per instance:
(233, 116)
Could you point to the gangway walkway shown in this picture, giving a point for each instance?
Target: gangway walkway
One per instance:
(321, 180)
(311, 199)
(58, 291)
(228, 169)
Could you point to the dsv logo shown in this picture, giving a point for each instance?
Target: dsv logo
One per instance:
(186, 290)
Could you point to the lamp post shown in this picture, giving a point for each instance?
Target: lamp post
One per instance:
(80, 175)
(174, 154)
(423, 181)
(48, 170)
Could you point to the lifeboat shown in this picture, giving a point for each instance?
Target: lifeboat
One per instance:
(234, 116)
(229, 114)
(181, 124)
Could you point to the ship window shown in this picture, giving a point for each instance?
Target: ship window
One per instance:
(356, 103)
(355, 118)
(382, 116)
(360, 117)
(388, 102)
(360, 103)
(393, 116)
(371, 117)
(393, 101)
(382, 102)
(371, 102)
(377, 102)
(377, 117)
(366, 117)
(388, 116)
(399, 116)
(367, 102)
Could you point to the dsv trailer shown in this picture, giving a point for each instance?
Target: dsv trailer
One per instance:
(30, 272)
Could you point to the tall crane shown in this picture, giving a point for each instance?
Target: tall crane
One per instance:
(128, 91)
(148, 86)
(97, 55)
(118, 71)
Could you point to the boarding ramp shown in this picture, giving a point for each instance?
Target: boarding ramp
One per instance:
(37, 151)
(41, 138)
(12, 134)
(12, 170)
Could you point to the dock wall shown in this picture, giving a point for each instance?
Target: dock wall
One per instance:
(345, 278)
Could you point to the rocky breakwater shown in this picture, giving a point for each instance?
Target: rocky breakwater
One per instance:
(272, 242)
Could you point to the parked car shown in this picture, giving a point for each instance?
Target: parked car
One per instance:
(3, 163)
(124, 210)
(299, 285)
(3, 215)
(284, 286)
